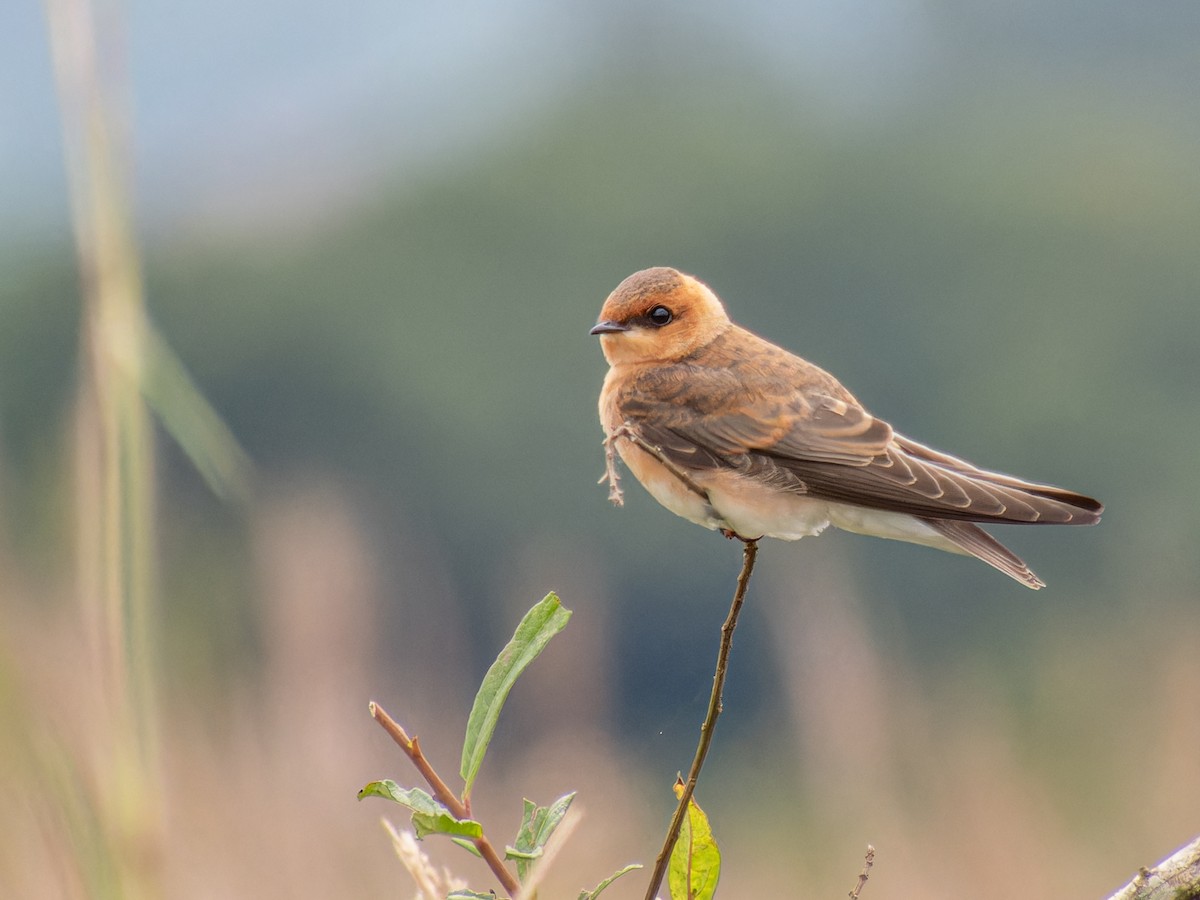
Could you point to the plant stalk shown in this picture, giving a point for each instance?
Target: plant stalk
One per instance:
(443, 794)
(749, 554)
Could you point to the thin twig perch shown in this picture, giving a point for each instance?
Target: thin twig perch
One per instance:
(749, 554)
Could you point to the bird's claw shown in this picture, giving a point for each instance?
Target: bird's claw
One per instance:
(732, 535)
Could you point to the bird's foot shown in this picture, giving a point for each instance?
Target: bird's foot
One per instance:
(733, 535)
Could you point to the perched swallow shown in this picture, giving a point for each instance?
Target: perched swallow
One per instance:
(736, 434)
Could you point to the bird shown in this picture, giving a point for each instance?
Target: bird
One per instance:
(737, 434)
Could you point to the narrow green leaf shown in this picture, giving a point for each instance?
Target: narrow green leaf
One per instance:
(695, 865)
(468, 846)
(525, 832)
(541, 623)
(464, 894)
(428, 816)
(537, 825)
(190, 419)
(444, 823)
(511, 852)
(389, 790)
(593, 894)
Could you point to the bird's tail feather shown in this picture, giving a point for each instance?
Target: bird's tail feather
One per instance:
(978, 543)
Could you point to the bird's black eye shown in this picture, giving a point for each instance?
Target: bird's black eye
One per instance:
(660, 316)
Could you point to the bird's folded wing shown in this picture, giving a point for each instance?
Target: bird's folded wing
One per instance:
(827, 447)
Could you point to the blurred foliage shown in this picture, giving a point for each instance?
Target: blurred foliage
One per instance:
(998, 256)
(1005, 270)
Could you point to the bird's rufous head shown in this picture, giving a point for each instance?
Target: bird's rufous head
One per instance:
(658, 314)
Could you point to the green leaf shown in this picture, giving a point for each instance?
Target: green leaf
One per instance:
(593, 894)
(389, 790)
(541, 623)
(428, 816)
(537, 824)
(468, 846)
(511, 852)
(190, 419)
(695, 865)
(444, 823)
(464, 894)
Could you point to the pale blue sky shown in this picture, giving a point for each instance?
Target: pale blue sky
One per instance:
(239, 107)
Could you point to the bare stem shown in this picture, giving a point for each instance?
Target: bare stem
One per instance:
(615, 495)
(749, 554)
(443, 794)
(868, 861)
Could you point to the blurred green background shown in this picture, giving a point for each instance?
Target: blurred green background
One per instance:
(377, 236)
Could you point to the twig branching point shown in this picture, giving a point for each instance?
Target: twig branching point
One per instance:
(749, 554)
(443, 794)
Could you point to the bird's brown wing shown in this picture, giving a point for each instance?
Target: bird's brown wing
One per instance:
(823, 444)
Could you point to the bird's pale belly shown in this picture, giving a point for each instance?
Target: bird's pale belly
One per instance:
(733, 502)
(751, 509)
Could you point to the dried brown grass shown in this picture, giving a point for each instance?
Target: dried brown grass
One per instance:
(964, 790)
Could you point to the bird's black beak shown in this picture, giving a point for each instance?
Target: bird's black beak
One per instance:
(609, 327)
